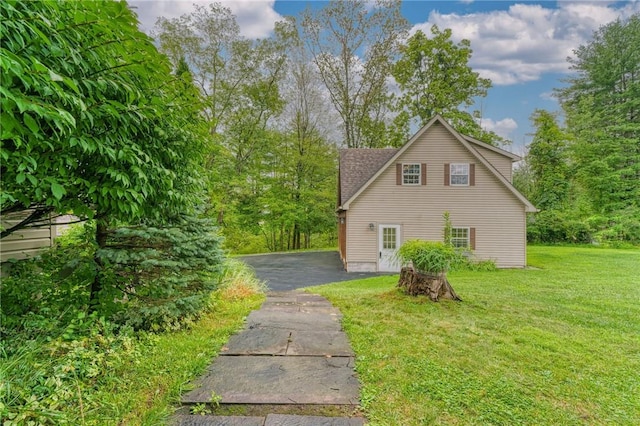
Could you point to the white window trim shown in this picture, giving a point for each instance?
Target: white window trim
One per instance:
(468, 175)
(419, 174)
(468, 246)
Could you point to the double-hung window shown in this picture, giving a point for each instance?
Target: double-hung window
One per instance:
(411, 174)
(459, 174)
(460, 238)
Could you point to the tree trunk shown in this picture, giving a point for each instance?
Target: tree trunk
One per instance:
(432, 285)
(96, 285)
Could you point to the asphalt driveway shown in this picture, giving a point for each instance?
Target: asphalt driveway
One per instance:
(289, 271)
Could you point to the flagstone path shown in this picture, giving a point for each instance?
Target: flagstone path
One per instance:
(292, 364)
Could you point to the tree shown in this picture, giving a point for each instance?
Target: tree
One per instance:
(602, 107)
(548, 162)
(434, 77)
(238, 81)
(352, 47)
(93, 122)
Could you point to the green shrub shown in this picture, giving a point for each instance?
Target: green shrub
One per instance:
(157, 277)
(553, 226)
(436, 257)
(428, 256)
(41, 293)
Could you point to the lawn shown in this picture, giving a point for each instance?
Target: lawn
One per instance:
(558, 343)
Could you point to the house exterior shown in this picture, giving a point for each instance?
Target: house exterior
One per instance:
(388, 196)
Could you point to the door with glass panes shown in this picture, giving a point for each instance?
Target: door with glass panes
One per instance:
(388, 244)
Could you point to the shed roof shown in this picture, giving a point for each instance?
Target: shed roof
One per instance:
(358, 165)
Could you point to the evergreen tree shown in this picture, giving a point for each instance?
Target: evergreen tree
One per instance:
(602, 107)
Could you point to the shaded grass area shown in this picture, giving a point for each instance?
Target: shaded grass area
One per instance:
(554, 345)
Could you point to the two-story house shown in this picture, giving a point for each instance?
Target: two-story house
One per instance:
(388, 196)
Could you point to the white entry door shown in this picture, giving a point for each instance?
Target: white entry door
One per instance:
(388, 244)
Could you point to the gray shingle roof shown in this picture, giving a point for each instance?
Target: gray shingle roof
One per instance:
(357, 166)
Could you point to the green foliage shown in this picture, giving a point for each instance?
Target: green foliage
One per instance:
(158, 277)
(92, 120)
(42, 294)
(554, 226)
(603, 113)
(336, 35)
(435, 78)
(547, 159)
(42, 379)
(446, 231)
(86, 370)
(428, 256)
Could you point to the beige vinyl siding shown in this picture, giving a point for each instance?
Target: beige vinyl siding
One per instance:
(497, 215)
(24, 243)
(503, 164)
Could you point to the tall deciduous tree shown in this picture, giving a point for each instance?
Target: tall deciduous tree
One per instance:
(353, 46)
(548, 162)
(434, 77)
(602, 106)
(93, 122)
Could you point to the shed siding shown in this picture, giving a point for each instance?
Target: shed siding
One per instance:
(24, 243)
(497, 215)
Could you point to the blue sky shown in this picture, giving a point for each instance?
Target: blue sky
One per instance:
(521, 46)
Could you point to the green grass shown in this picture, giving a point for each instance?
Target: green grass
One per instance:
(548, 346)
(151, 388)
(138, 380)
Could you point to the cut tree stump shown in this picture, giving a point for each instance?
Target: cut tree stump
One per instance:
(436, 286)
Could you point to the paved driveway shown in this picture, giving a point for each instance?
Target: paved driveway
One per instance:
(289, 271)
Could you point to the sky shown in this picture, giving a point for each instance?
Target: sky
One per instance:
(522, 46)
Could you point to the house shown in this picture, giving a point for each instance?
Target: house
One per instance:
(388, 196)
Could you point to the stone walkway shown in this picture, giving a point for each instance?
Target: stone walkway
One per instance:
(292, 357)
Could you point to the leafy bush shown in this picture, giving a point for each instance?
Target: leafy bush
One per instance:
(41, 293)
(428, 256)
(59, 370)
(50, 380)
(553, 226)
(619, 228)
(436, 257)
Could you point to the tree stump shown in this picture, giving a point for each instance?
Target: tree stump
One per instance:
(435, 286)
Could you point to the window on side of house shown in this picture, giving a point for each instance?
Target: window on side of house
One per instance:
(411, 174)
(460, 238)
(459, 174)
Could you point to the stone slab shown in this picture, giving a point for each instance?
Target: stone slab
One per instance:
(319, 343)
(293, 420)
(258, 341)
(277, 306)
(278, 380)
(197, 420)
(310, 298)
(293, 321)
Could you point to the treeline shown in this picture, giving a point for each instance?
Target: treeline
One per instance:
(278, 108)
(584, 173)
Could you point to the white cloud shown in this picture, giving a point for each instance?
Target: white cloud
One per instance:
(548, 96)
(502, 127)
(520, 44)
(255, 17)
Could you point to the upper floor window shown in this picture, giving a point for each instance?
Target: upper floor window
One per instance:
(459, 174)
(411, 174)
